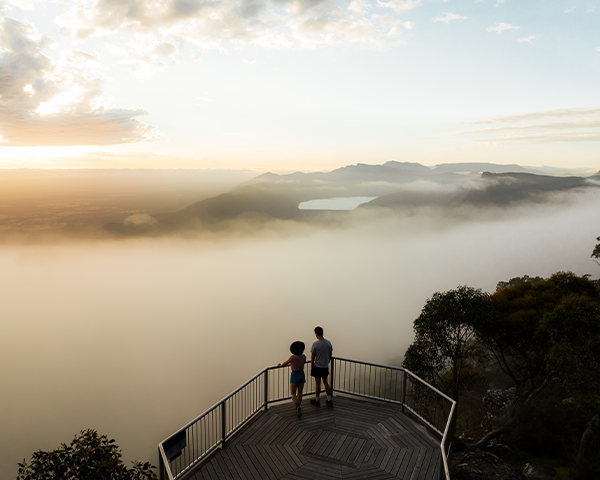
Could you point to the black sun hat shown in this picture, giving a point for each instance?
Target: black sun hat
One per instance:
(297, 348)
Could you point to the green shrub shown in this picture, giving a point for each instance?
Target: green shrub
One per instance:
(90, 456)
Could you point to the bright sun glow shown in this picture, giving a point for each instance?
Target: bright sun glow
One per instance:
(301, 86)
(62, 101)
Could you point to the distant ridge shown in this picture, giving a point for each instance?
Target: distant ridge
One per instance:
(395, 185)
(478, 168)
(499, 189)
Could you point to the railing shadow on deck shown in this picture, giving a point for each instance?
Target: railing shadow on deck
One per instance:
(193, 443)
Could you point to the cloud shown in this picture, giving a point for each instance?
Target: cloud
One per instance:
(550, 126)
(116, 51)
(43, 102)
(149, 45)
(81, 58)
(209, 24)
(548, 138)
(145, 67)
(526, 39)
(166, 49)
(534, 128)
(546, 114)
(500, 27)
(16, 4)
(140, 219)
(358, 6)
(400, 6)
(448, 17)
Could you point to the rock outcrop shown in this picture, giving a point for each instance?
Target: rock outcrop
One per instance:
(532, 470)
(497, 402)
(482, 466)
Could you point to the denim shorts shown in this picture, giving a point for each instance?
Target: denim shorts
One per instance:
(297, 377)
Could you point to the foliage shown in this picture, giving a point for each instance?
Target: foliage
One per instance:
(89, 456)
(472, 387)
(445, 334)
(543, 335)
(511, 335)
(596, 252)
(547, 427)
(515, 280)
(572, 332)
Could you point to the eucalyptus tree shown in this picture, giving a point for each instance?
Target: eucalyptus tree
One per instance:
(445, 334)
(511, 337)
(572, 333)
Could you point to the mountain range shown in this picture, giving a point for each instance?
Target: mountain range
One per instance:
(395, 186)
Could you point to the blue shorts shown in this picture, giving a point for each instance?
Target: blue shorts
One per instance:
(297, 377)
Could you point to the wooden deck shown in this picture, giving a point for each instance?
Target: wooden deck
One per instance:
(354, 440)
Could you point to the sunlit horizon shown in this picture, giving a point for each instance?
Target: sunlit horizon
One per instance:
(307, 86)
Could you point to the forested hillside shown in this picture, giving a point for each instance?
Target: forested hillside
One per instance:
(524, 365)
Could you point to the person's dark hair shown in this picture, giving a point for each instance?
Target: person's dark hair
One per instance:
(319, 331)
(297, 348)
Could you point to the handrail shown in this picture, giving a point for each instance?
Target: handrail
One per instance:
(194, 442)
(447, 431)
(428, 385)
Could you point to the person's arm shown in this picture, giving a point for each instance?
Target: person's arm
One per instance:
(312, 359)
(287, 362)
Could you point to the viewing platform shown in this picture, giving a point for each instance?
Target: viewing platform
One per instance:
(386, 423)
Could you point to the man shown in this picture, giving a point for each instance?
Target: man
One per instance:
(320, 356)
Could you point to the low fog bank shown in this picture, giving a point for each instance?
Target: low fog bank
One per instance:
(42, 205)
(136, 337)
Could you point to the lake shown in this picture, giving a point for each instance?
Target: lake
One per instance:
(336, 203)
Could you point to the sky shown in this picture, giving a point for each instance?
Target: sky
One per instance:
(286, 85)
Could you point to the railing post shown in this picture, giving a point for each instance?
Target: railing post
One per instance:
(266, 388)
(161, 466)
(332, 374)
(452, 428)
(223, 424)
(403, 389)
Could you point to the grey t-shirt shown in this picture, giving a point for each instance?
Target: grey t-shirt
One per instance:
(322, 350)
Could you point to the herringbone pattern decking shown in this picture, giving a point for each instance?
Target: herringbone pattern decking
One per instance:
(354, 440)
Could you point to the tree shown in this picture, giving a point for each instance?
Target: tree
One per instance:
(514, 338)
(572, 332)
(90, 456)
(596, 253)
(511, 336)
(445, 334)
(515, 280)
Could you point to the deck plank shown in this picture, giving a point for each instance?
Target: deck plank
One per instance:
(355, 440)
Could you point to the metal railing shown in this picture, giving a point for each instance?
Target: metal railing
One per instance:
(191, 444)
(402, 387)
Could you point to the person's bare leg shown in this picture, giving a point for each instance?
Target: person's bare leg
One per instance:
(293, 389)
(300, 388)
(327, 387)
(315, 401)
(317, 387)
(329, 401)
